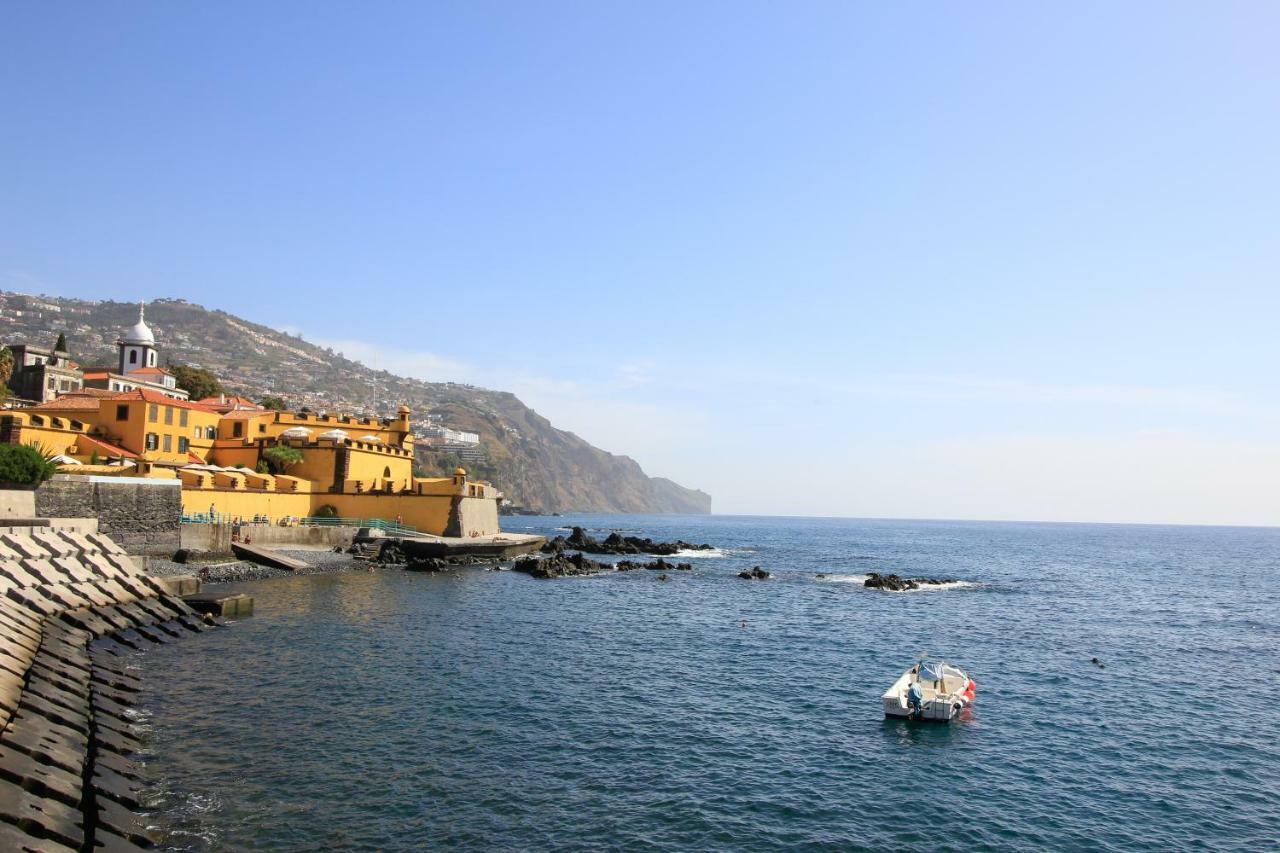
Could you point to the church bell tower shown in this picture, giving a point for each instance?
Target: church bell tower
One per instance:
(137, 346)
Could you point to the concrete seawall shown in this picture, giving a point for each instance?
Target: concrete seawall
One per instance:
(72, 605)
(216, 538)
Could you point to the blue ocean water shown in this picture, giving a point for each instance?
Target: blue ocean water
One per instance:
(490, 711)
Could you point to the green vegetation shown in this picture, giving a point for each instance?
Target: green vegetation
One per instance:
(196, 381)
(6, 371)
(274, 403)
(263, 467)
(326, 511)
(95, 459)
(280, 458)
(61, 345)
(432, 464)
(25, 465)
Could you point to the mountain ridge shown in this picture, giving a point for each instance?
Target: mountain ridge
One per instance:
(533, 462)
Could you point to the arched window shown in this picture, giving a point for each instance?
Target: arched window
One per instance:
(133, 356)
(386, 472)
(151, 359)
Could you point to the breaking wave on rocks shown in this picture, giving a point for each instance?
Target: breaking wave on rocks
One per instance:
(922, 586)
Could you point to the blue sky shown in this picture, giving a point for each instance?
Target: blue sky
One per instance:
(992, 260)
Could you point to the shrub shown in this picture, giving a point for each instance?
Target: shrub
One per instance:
(281, 457)
(25, 465)
(326, 511)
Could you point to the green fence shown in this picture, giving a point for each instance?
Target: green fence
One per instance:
(390, 527)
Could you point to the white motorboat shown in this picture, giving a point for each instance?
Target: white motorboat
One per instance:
(941, 691)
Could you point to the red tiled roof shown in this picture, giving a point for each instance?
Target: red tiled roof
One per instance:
(156, 397)
(148, 371)
(68, 402)
(230, 403)
(191, 457)
(92, 392)
(96, 373)
(108, 447)
(222, 399)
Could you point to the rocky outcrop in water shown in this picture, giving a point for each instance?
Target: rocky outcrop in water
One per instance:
(559, 566)
(616, 543)
(896, 583)
(755, 573)
(658, 565)
(391, 553)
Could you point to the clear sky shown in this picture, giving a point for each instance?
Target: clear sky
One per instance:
(972, 260)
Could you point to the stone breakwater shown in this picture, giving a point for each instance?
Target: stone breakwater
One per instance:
(71, 607)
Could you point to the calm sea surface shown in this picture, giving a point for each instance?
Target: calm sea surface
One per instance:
(487, 710)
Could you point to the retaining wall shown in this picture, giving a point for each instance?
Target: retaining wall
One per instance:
(142, 515)
(17, 503)
(216, 538)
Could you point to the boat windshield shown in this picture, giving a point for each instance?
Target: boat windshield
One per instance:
(936, 670)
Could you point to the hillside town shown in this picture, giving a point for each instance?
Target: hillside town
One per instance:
(234, 458)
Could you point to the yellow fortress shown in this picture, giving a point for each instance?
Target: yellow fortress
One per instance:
(237, 460)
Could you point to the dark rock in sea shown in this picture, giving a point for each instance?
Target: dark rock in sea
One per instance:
(559, 566)
(897, 583)
(658, 565)
(390, 553)
(819, 575)
(436, 564)
(616, 543)
(756, 573)
(664, 577)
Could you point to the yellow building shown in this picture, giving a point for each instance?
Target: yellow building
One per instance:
(231, 464)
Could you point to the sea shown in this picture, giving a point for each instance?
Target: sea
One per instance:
(487, 710)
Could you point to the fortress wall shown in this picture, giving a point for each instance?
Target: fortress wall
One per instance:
(476, 517)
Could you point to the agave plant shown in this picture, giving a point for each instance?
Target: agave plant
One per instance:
(25, 465)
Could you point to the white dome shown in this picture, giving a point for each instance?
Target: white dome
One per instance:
(335, 434)
(140, 333)
(296, 432)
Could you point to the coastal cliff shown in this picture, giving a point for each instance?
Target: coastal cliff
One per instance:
(536, 465)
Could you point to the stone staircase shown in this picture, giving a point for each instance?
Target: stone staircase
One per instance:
(72, 605)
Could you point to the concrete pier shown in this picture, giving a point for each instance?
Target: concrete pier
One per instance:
(228, 605)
